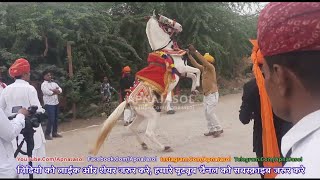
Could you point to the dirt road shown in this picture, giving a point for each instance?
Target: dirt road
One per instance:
(183, 131)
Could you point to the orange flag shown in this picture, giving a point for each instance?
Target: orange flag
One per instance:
(269, 139)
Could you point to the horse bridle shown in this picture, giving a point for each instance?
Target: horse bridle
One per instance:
(163, 26)
(164, 46)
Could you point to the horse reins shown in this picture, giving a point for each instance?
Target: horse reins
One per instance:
(163, 26)
(164, 46)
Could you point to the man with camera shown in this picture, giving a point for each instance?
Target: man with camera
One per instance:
(8, 131)
(21, 94)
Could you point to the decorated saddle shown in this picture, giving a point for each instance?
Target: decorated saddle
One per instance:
(159, 73)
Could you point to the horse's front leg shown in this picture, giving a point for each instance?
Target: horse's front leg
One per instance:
(194, 81)
(197, 71)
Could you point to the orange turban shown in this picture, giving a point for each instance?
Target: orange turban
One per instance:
(19, 67)
(269, 139)
(256, 55)
(126, 69)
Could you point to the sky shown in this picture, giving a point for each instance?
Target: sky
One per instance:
(254, 10)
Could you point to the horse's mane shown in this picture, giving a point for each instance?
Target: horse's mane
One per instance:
(156, 36)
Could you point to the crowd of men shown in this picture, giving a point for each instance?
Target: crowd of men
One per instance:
(15, 99)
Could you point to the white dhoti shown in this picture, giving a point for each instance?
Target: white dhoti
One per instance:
(210, 102)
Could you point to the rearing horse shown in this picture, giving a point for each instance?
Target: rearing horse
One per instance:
(160, 31)
(145, 91)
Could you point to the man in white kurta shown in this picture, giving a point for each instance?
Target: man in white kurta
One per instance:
(304, 141)
(289, 40)
(9, 130)
(21, 93)
(2, 84)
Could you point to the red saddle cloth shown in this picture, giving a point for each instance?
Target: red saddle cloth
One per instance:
(158, 74)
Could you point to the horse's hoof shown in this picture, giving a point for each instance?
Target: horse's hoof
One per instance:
(167, 149)
(171, 112)
(144, 146)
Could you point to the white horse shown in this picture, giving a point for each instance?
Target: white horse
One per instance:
(143, 96)
(159, 32)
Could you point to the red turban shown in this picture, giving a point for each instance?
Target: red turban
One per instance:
(289, 26)
(19, 67)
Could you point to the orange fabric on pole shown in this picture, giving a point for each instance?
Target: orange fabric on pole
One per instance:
(269, 139)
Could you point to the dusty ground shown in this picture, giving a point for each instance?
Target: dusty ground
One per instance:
(183, 131)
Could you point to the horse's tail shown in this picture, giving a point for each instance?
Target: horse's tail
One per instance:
(107, 127)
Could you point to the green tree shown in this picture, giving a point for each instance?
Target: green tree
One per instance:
(110, 35)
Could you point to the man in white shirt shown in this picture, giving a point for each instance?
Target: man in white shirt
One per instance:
(9, 130)
(50, 92)
(2, 84)
(22, 94)
(289, 40)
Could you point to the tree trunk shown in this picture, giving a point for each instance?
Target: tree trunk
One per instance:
(74, 109)
(59, 59)
(47, 45)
